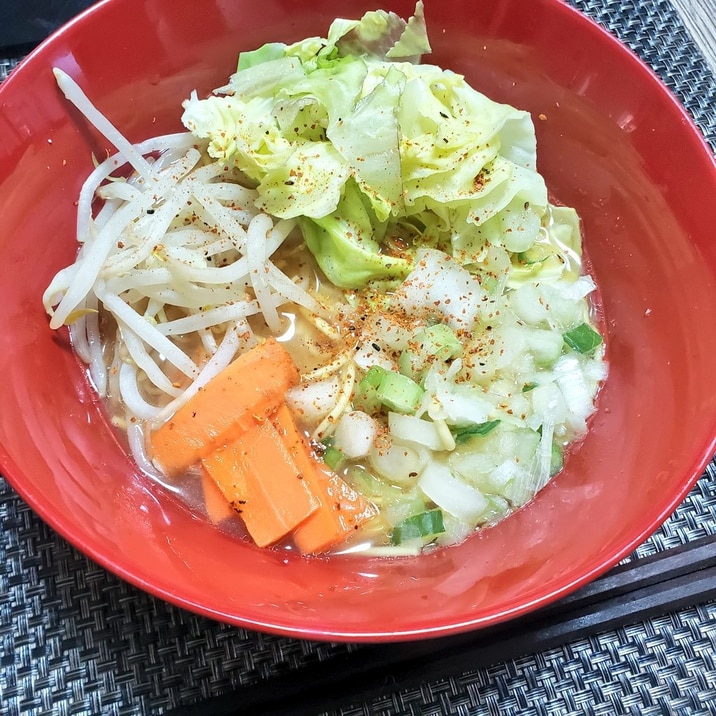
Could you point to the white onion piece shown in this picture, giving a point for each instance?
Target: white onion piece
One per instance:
(456, 530)
(451, 494)
(596, 370)
(529, 305)
(355, 433)
(543, 456)
(575, 290)
(457, 403)
(439, 285)
(520, 227)
(576, 392)
(367, 356)
(547, 400)
(398, 462)
(408, 428)
(313, 401)
(504, 473)
(520, 488)
(474, 464)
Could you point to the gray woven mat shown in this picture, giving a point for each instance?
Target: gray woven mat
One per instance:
(75, 640)
(7, 66)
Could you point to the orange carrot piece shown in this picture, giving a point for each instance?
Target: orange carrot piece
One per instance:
(342, 511)
(217, 507)
(258, 476)
(248, 390)
(342, 508)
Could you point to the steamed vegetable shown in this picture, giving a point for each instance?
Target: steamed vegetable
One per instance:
(583, 338)
(249, 390)
(372, 152)
(259, 477)
(217, 507)
(341, 510)
(422, 527)
(269, 477)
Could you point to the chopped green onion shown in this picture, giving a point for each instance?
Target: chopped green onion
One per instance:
(557, 460)
(424, 525)
(536, 254)
(399, 393)
(372, 487)
(497, 508)
(490, 283)
(366, 397)
(433, 343)
(583, 338)
(332, 456)
(380, 387)
(463, 434)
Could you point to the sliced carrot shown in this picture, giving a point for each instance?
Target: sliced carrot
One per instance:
(217, 507)
(257, 475)
(342, 508)
(342, 511)
(247, 391)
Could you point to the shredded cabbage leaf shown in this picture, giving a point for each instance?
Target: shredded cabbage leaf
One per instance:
(370, 150)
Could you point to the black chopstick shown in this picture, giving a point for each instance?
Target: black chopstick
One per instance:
(645, 588)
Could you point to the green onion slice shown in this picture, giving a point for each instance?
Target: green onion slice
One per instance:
(420, 526)
(463, 434)
(583, 339)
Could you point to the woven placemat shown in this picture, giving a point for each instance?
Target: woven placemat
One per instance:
(7, 65)
(75, 639)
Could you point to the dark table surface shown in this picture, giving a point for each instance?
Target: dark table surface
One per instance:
(27, 22)
(75, 639)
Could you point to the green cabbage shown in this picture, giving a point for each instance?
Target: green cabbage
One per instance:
(375, 154)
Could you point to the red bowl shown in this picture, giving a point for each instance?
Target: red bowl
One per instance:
(612, 142)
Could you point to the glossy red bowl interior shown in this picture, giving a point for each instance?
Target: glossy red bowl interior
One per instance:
(612, 142)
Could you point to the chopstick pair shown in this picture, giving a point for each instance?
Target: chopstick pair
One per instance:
(646, 588)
